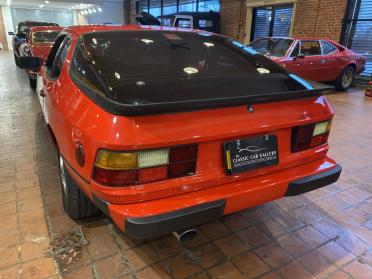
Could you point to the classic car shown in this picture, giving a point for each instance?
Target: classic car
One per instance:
(164, 129)
(320, 60)
(21, 34)
(39, 43)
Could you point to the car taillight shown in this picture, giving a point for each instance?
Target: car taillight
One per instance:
(114, 168)
(309, 136)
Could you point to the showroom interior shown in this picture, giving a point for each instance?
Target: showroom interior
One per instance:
(186, 139)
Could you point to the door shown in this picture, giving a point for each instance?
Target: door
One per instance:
(306, 60)
(331, 65)
(271, 22)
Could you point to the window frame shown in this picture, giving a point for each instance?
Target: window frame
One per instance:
(51, 61)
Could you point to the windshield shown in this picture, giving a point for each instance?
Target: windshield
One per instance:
(44, 37)
(23, 27)
(276, 47)
(152, 67)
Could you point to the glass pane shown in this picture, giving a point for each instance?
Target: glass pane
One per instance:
(262, 23)
(169, 7)
(362, 42)
(309, 48)
(143, 6)
(365, 11)
(187, 6)
(282, 22)
(209, 5)
(272, 46)
(155, 8)
(141, 67)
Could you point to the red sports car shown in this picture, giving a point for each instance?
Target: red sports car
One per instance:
(164, 129)
(315, 59)
(39, 43)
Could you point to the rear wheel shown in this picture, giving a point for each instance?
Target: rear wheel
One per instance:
(32, 82)
(75, 203)
(345, 79)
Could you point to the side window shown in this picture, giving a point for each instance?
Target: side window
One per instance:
(59, 59)
(309, 48)
(328, 48)
(183, 23)
(205, 23)
(296, 50)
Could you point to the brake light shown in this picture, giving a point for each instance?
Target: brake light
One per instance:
(114, 168)
(310, 136)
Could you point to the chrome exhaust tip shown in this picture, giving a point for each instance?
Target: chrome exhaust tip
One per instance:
(185, 235)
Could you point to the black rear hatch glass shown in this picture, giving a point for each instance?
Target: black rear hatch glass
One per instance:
(144, 72)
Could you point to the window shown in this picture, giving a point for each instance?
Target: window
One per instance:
(328, 48)
(310, 48)
(357, 30)
(209, 5)
(155, 8)
(168, 66)
(187, 6)
(169, 7)
(271, 21)
(183, 23)
(59, 58)
(205, 23)
(276, 47)
(44, 37)
(296, 50)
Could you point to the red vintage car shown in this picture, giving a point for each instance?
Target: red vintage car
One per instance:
(164, 129)
(321, 60)
(39, 42)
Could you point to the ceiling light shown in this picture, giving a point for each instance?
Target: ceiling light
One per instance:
(89, 11)
(99, 9)
(8, 2)
(41, 6)
(263, 71)
(190, 70)
(207, 44)
(117, 75)
(147, 41)
(94, 10)
(47, 2)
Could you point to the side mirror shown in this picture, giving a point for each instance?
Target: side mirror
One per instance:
(300, 56)
(29, 62)
(11, 33)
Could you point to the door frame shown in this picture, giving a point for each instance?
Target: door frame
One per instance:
(262, 3)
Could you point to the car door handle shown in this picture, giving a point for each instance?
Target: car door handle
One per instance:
(322, 61)
(42, 93)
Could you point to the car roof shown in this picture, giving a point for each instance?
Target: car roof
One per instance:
(298, 38)
(82, 29)
(46, 28)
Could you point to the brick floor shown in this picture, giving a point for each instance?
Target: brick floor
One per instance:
(321, 234)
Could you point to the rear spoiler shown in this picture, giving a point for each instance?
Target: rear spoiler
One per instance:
(116, 108)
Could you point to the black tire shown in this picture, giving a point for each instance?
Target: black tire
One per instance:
(75, 203)
(345, 79)
(16, 60)
(32, 82)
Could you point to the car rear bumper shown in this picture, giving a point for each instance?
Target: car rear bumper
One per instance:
(154, 218)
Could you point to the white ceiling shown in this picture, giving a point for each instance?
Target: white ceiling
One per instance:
(61, 4)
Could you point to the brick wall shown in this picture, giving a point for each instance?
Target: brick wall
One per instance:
(233, 13)
(2, 32)
(321, 18)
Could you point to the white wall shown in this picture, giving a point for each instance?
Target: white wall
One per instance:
(112, 12)
(8, 24)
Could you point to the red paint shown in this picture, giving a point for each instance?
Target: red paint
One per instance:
(74, 117)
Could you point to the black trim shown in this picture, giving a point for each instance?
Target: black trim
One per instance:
(101, 204)
(313, 182)
(158, 225)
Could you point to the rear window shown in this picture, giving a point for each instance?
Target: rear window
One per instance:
(153, 67)
(42, 37)
(276, 47)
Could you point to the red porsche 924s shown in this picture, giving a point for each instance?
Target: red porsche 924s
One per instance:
(164, 129)
(321, 60)
(39, 42)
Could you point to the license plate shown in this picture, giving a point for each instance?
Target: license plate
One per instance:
(251, 153)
